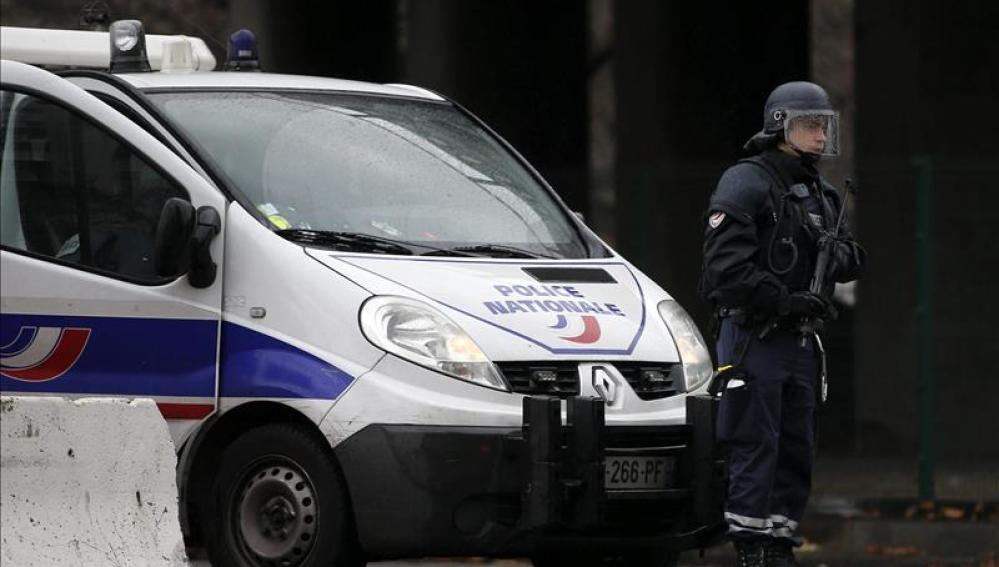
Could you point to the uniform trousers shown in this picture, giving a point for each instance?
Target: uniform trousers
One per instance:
(767, 422)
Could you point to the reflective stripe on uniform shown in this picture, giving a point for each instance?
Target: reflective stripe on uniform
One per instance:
(737, 523)
(783, 526)
(782, 533)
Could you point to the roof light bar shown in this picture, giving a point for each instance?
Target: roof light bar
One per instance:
(86, 49)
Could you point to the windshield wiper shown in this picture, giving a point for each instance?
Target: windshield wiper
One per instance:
(500, 249)
(347, 241)
(339, 240)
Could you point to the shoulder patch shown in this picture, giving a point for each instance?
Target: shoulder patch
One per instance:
(716, 219)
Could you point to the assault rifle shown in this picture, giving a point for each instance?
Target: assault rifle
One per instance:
(817, 286)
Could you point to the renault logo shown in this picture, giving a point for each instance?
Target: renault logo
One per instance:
(604, 384)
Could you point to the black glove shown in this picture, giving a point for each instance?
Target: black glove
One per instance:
(803, 304)
(843, 259)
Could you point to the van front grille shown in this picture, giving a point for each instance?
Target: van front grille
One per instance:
(649, 380)
(549, 378)
(652, 380)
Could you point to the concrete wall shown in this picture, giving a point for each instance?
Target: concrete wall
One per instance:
(88, 482)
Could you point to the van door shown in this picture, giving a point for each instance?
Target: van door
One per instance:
(97, 297)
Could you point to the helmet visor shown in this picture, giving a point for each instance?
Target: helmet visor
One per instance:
(813, 131)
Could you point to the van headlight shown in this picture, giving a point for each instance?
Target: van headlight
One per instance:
(419, 333)
(697, 365)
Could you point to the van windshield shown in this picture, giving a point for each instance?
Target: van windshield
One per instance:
(400, 169)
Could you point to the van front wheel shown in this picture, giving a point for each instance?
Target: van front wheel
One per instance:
(279, 499)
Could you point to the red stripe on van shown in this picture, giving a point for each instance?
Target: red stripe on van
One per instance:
(185, 411)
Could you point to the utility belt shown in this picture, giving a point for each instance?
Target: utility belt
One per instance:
(764, 324)
(738, 315)
(757, 320)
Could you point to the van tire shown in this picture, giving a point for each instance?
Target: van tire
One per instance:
(632, 559)
(279, 499)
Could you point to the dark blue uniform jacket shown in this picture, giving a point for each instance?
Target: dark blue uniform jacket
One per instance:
(761, 238)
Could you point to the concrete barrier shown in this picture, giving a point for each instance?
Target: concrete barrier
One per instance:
(87, 482)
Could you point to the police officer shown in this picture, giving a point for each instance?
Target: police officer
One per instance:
(766, 222)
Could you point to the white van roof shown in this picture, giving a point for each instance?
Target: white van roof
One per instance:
(91, 50)
(252, 80)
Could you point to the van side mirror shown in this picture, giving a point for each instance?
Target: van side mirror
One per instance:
(171, 251)
(183, 242)
(203, 267)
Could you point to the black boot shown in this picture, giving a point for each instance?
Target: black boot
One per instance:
(751, 553)
(781, 554)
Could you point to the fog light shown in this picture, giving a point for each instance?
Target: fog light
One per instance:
(544, 377)
(653, 377)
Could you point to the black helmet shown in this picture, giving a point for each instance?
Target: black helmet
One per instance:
(799, 95)
(798, 104)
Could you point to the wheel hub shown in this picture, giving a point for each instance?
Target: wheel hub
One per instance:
(276, 515)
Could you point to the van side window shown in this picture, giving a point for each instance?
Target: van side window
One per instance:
(71, 191)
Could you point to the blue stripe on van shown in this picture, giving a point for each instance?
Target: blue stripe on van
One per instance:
(173, 357)
(255, 365)
(127, 356)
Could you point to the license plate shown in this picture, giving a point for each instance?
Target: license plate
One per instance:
(621, 473)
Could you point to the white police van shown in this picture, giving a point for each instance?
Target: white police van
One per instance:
(373, 328)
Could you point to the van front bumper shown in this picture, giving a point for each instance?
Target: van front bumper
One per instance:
(444, 491)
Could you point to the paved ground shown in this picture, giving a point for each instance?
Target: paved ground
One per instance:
(812, 556)
(845, 531)
(723, 558)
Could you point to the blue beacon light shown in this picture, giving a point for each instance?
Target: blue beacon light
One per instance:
(242, 54)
